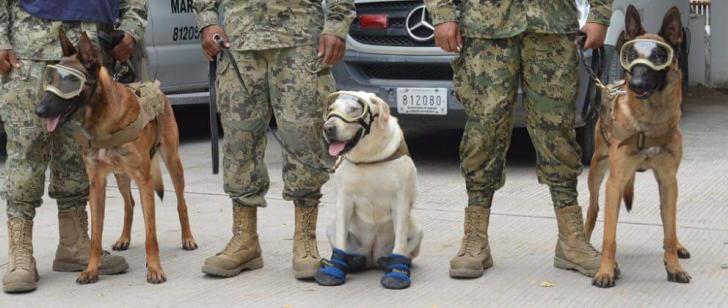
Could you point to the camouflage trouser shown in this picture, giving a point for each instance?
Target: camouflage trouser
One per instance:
(31, 149)
(486, 80)
(290, 84)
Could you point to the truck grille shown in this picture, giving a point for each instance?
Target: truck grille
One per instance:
(414, 71)
(396, 33)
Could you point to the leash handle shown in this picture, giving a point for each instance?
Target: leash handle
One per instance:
(217, 37)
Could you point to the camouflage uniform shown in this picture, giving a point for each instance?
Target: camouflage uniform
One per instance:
(275, 46)
(31, 149)
(505, 40)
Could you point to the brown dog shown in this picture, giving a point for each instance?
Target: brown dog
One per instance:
(638, 130)
(118, 135)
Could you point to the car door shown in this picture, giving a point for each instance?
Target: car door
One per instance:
(173, 46)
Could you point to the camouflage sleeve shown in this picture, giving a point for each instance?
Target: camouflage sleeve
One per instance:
(4, 25)
(339, 15)
(207, 13)
(600, 11)
(442, 11)
(133, 17)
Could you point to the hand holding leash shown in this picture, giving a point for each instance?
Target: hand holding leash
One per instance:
(210, 46)
(595, 35)
(219, 42)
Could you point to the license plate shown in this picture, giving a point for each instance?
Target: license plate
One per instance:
(426, 101)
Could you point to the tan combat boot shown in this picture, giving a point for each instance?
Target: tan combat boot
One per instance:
(22, 276)
(74, 246)
(474, 255)
(243, 251)
(306, 259)
(573, 252)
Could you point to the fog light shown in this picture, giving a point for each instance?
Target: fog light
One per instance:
(373, 21)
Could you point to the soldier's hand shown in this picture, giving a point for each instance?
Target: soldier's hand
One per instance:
(210, 48)
(595, 35)
(331, 48)
(447, 36)
(8, 61)
(124, 49)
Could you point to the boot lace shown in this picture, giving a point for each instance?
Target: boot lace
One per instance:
(84, 226)
(234, 243)
(21, 255)
(305, 230)
(471, 242)
(582, 237)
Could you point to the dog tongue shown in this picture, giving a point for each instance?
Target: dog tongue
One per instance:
(336, 147)
(52, 123)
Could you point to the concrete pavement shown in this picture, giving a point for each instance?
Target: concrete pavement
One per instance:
(522, 235)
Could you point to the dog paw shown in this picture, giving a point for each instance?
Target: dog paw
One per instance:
(683, 253)
(603, 280)
(679, 277)
(121, 244)
(155, 276)
(331, 273)
(189, 244)
(87, 277)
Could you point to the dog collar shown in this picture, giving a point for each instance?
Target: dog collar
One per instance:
(402, 150)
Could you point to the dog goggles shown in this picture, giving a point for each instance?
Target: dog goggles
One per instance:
(352, 116)
(652, 53)
(363, 117)
(63, 81)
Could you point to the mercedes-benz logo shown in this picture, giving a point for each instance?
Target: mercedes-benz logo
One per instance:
(418, 26)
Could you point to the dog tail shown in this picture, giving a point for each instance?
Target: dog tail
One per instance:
(157, 177)
(628, 194)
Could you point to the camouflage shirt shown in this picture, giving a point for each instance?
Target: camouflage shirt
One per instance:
(267, 24)
(507, 18)
(37, 39)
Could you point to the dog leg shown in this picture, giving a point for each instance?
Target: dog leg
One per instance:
(142, 177)
(621, 168)
(400, 219)
(124, 184)
(170, 155)
(97, 198)
(333, 272)
(682, 252)
(344, 211)
(667, 183)
(597, 170)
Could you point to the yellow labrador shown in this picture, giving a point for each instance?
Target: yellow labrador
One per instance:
(376, 183)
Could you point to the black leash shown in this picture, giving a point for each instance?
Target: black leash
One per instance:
(214, 136)
(591, 107)
(226, 52)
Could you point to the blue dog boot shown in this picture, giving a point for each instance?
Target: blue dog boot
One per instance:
(398, 271)
(333, 272)
(358, 263)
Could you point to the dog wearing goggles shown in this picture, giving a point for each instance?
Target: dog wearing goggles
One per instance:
(116, 136)
(376, 184)
(638, 130)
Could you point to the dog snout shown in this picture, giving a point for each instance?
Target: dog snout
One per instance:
(42, 110)
(638, 85)
(330, 130)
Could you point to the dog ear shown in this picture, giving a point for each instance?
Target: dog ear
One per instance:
(672, 30)
(384, 112)
(66, 45)
(632, 24)
(88, 55)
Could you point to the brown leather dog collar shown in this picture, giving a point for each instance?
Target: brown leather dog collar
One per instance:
(641, 141)
(402, 150)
